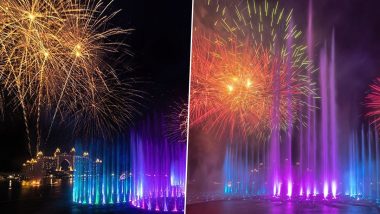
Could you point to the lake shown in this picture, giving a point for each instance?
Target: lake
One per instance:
(52, 196)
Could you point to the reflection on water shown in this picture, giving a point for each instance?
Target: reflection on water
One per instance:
(250, 206)
(47, 196)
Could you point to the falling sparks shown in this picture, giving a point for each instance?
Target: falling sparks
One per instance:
(177, 123)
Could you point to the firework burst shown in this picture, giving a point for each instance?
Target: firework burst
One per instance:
(248, 71)
(373, 103)
(54, 58)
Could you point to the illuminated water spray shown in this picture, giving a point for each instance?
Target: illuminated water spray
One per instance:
(141, 169)
(102, 173)
(158, 169)
(362, 179)
(309, 161)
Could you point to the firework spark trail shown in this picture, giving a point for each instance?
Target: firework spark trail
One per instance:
(54, 58)
(176, 122)
(104, 110)
(241, 63)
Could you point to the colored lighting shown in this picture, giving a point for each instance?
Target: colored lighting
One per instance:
(325, 190)
(333, 189)
(290, 189)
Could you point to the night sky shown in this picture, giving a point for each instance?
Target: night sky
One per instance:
(160, 43)
(357, 31)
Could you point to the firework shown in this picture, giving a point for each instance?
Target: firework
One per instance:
(177, 122)
(373, 103)
(248, 70)
(53, 58)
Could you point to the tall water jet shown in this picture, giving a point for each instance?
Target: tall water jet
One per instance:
(311, 114)
(324, 120)
(333, 117)
(287, 157)
(274, 156)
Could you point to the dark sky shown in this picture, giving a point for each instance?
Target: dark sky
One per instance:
(357, 31)
(161, 47)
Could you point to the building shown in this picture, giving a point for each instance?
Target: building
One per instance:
(59, 164)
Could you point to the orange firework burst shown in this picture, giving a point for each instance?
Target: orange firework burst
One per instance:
(248, 72)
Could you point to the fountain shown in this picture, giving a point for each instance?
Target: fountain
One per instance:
(361, 180)
(141, 169)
